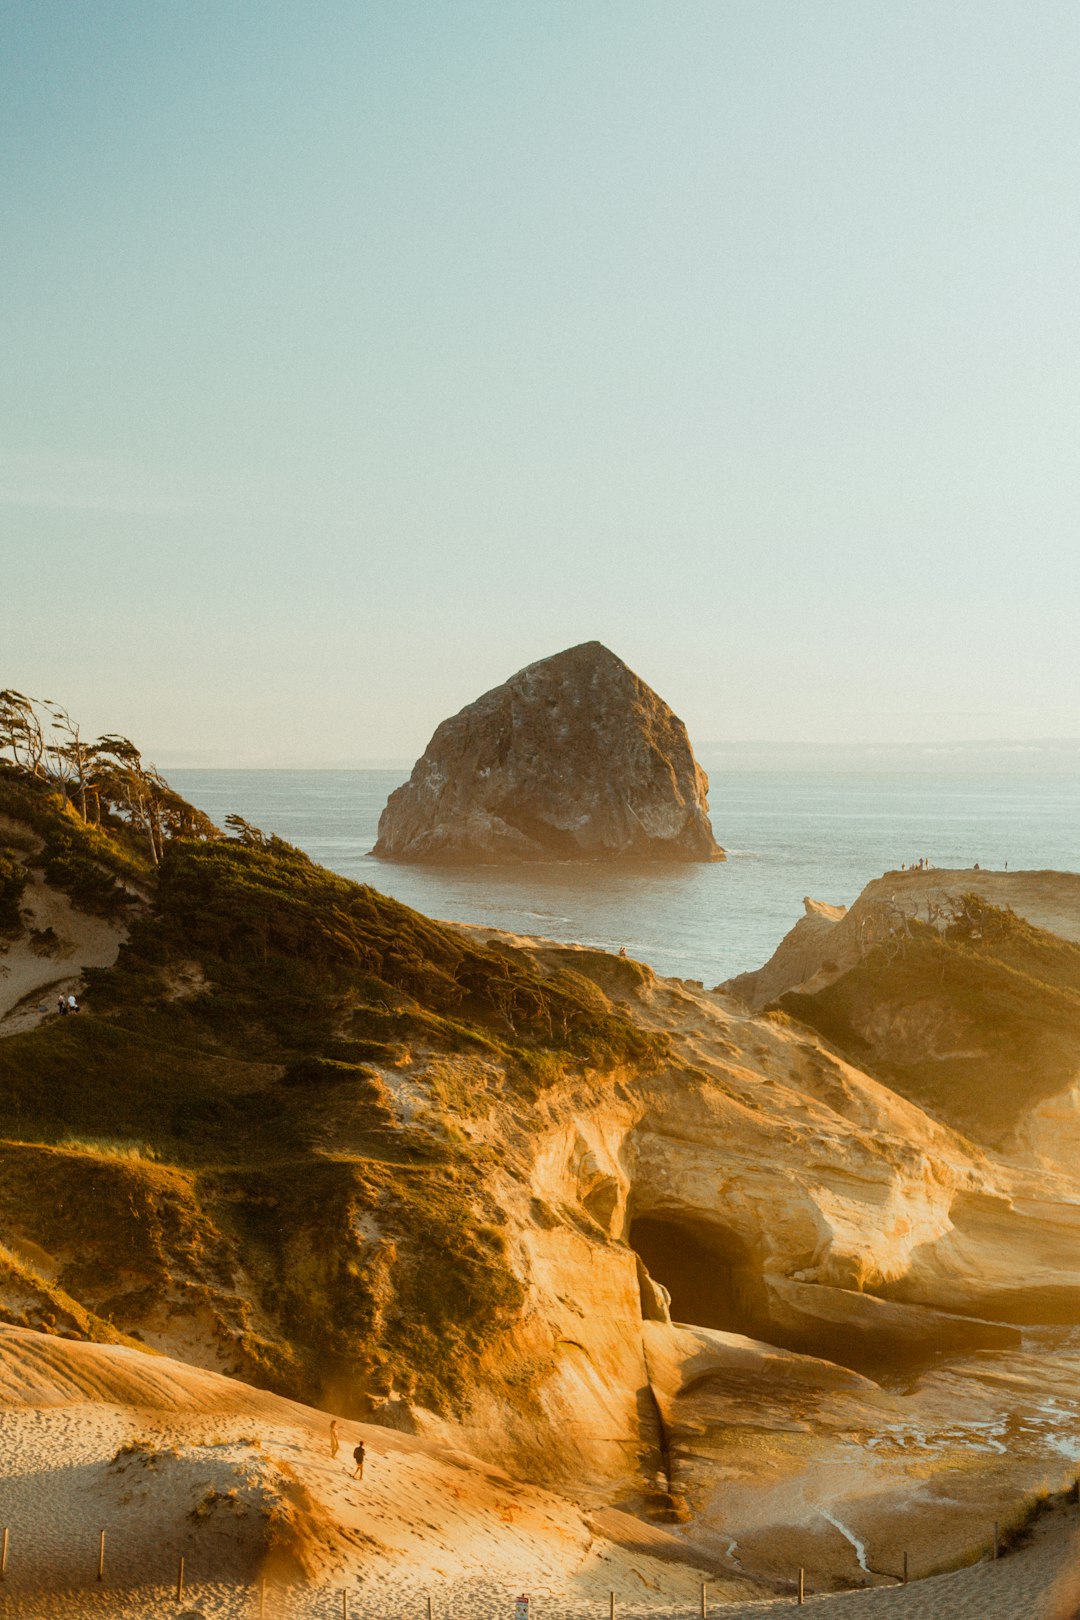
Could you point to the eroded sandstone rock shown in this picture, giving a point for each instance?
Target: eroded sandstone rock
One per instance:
(829, 940)
(573, 758)
(861, 1327)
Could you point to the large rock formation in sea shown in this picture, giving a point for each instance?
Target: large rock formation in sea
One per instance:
(572, 758)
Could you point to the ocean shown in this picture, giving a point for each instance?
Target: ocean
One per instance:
(788, 834)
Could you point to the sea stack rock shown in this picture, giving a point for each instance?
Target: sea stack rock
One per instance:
(573, 758)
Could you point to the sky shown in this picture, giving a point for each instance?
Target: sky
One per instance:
(354, 355)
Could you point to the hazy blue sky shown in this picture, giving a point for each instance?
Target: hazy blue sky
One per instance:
(354, 355)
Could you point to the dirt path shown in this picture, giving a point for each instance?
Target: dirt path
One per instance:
(49, 957)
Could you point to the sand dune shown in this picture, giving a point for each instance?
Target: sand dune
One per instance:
(172, 1460)
(1031, 1584)
(49, 958)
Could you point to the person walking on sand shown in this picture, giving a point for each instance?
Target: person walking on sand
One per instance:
(335, 1441)
(358, 1459)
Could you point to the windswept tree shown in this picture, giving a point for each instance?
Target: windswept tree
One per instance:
(246, 834)
(42, 741)
(21, 735)
(132, 788)
(179, 819)
(140, 794)
(71, 758)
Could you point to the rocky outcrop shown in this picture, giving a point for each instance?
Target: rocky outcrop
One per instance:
(573, 758)
(965, 1007)
(799, 955)
(828, 940)
(858, 1328)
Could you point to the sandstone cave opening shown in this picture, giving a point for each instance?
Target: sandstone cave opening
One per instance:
(707, 1270)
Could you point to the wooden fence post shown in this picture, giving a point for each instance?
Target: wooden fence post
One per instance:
(611, 1607)
(101, 1556)
(3, 1555)
(704, 1602)
(180, 1580)
(802, 1585)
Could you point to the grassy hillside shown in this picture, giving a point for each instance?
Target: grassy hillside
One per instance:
(222, 1135)
(975, 1024)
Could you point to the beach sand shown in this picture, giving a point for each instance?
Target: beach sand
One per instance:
(171, 1460)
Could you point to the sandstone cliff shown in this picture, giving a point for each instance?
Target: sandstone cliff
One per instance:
(828, 940)
(534, 1200)
(958, 989)
(573, 758)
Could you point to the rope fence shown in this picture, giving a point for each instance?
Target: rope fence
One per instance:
(9, 1563)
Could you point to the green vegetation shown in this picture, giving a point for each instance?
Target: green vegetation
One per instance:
(220, 1134)
(975, 1024)
(95, 866)
(104, 783)
(28, 1299)
(283, 938)
(12, 884)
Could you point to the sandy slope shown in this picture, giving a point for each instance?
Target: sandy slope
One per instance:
(1032, 1584)
(173, 1460)
(169, 1459)
(50, 956)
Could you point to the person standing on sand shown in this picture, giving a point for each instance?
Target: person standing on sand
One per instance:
(358, 1459)
(61, 1006)
(335, 1442)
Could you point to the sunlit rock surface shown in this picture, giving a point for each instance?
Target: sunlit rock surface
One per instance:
(748, 1283)
(828, 940)
(573, 758)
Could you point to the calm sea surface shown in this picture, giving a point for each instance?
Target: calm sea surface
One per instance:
(822, 834)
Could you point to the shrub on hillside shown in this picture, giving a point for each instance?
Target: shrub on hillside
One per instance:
(12, 884)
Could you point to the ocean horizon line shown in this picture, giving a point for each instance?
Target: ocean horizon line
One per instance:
(964, 756)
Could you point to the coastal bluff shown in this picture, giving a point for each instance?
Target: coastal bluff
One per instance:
(572, 758)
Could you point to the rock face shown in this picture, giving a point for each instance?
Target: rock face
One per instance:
(573, 758)
(829, 940)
